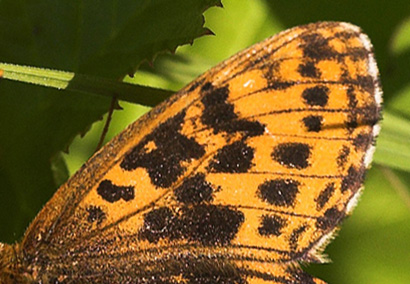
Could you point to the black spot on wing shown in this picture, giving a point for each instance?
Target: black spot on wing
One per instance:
(368, 115)
(158, 224)
(292, 155)
(362, 141)
(294, 237)
(164, 162)
(346, 35)
(207, 87)
(211, 224)
(316, 96)
(313, 123)
(95, 214)
(353, 180)
(317, 47)
(206, 224)
(194, 190)
(279, 192)
(351, 122)
(351, 95)
(343, 156)
(271, 225)
(357, 53)
(324, 196)
(367, 83)
(112, 193)
(271, 71)
(220, 116)
(195, 85)
(330, 219)
(234, 158)
(308, 69)
(278, 85)
(217, 109)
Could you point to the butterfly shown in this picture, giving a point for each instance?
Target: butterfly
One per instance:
(238, 178)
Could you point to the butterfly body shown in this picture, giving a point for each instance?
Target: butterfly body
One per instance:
(237, 178)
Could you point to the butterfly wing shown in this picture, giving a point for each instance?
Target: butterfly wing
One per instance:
(235, 179)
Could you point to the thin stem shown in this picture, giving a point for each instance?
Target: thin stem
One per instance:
(63, 80)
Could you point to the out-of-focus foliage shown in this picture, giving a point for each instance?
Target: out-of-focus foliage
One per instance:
(104, 38)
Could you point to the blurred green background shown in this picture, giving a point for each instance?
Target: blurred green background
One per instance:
(373, 245)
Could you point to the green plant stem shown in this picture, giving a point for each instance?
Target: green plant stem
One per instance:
(63, 80)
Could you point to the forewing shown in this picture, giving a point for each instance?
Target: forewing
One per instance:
(242, 174)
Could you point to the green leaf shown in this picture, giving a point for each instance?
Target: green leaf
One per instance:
(104, 38)
(393, 146)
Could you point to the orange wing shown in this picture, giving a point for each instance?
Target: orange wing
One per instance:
(235, 179)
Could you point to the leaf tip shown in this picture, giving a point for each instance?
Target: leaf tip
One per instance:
(207, 32)
(219, 4)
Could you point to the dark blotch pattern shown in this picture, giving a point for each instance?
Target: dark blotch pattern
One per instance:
(95, 214)
(194, 190)
(164, 163)
(206, 224)
(346, 35)
(324, 196)
(279, 192)
(234, 158)
(367, 83)
(367, 115)
(313, 123)
(277, 85)
(158, 223)
(112, 193)
(330, 219)
(343, 156)
(352, 122)
(352, 97)
(292, 155)
(362, 141)
(317, 47)
(211, 224)
(272, 74)
(294, 237)
(357, 53)
(271, 225)
(316, 96)
(207, 87)
(353, 180)
(308, 69)
(220, 116)
(195, 85)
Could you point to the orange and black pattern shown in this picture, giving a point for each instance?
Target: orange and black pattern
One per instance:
(238, 178)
